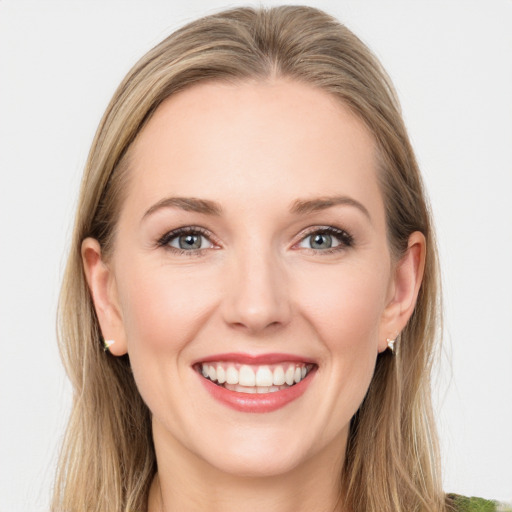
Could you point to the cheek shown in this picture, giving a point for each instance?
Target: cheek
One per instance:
(162, 313)
(345, 305)
(345, 314)
(162, 309)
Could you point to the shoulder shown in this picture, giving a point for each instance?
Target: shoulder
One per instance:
(457, 503)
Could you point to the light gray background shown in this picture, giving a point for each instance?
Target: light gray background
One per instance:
(452, 65)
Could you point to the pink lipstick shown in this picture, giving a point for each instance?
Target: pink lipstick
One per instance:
(261, 383)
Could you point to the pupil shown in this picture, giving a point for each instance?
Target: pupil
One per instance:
(190, 242)
(321, 242)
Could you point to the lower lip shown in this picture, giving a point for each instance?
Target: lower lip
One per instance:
(257, 402)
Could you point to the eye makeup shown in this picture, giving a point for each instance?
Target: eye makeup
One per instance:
(325, 240)
(194, 240)
(187, 241)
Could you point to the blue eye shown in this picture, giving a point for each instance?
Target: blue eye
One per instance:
(326, 239)
(319, 241)
(187, 239)
(189, 242)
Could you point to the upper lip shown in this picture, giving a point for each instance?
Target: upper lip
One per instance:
(260, 359)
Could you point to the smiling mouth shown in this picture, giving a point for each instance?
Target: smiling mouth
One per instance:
(254, 379)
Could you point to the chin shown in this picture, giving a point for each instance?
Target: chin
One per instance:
(257, 461)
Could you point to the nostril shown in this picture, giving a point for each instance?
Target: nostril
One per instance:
(254, 326)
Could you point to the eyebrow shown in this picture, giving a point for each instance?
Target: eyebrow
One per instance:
(299, 206)
(302, 207)
(189, 204)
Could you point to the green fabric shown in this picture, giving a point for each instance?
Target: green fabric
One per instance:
(464, 504)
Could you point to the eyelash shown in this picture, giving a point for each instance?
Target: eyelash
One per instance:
(166, 239)
(345, 239)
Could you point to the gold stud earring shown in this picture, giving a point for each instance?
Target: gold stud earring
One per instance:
(391, 343)
(107, 344)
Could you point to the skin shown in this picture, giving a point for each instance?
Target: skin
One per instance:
(255, 287)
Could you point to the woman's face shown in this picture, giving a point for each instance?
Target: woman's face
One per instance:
(251, 247)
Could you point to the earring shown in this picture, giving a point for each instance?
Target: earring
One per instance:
(391, 343)
(107, 344)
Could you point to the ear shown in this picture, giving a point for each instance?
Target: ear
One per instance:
(103, 290)
(403, 291)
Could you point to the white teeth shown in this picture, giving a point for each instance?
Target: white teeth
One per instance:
(246, 376)
(289, 376)
(221, 375)
(231, 375)
(278, 377)
(261, 379)
(252, 390)
(264, 376)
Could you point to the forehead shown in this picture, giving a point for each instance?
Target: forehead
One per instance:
(256, 142)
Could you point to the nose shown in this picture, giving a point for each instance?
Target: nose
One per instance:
(256, 298)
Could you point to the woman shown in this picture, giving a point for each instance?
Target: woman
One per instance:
(251, 302)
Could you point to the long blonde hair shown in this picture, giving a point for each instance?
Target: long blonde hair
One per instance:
(108, 460)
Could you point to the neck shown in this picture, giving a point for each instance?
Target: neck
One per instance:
(192, 484)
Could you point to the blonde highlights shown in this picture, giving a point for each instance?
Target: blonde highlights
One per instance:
(108, 461)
